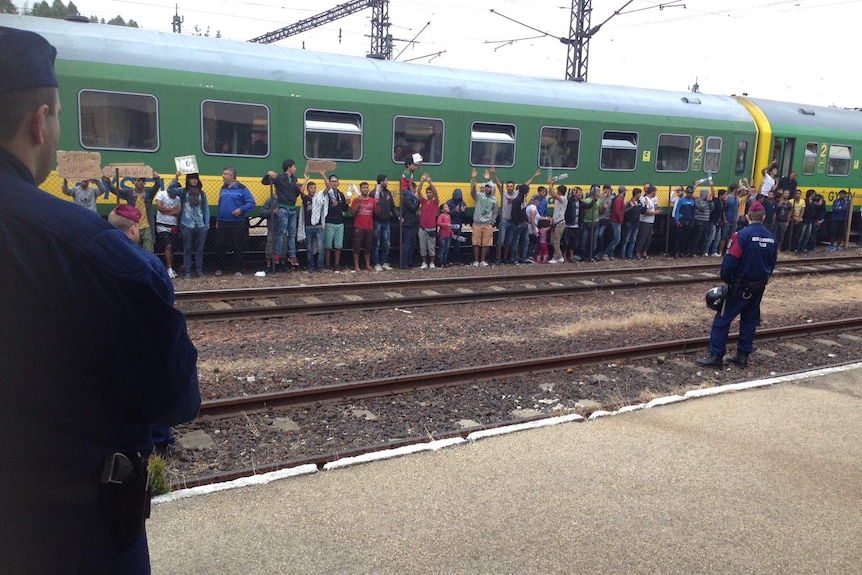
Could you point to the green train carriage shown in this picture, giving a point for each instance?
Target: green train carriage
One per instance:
(136, 95)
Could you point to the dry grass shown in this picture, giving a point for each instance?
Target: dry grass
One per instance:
(618, 322)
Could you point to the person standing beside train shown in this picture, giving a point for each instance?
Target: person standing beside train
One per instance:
(745, 269)
(768, 184)
(194, 221)
(631, 219)
(83, 194)
(314, 209)
(838, 222)
(457, 211)
(484, 216)
(287, 190)
(646, 222)
(384, 216)
(428, 208)
(234, 204)
(333, 232)
(77, 427)
(363, 208)
(168, 209)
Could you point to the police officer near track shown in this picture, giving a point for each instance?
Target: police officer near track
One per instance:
(94, 354)
(745, 269)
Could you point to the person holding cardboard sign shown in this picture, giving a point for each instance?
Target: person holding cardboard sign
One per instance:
(84, 194)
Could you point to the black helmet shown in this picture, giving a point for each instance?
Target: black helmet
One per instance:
(715, 297)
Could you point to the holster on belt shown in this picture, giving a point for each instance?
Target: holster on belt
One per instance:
(126, 492)
(743, 288)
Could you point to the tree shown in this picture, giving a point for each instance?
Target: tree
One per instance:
(59, 10)
(6, 7)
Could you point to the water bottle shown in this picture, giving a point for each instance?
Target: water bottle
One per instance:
(702, 181)
(561, 177)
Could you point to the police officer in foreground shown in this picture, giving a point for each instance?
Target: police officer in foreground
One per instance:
(92, 352)
(746, 267)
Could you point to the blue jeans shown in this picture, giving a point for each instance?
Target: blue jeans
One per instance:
(408, 245)
(713, 238)
(443, 250)
(506, 231)
(612, 245)
(286, 225)
(600, 236)
(520, 241)
(804, 235)
(630, 238)
(314, 241)
(382, 234)
(193, 243)
(589, 237)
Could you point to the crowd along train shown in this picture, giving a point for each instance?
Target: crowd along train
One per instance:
(142, 96)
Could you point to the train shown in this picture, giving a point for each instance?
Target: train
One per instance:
(144, 96)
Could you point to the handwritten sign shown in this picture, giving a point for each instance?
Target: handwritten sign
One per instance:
(320, 166)
(78, 166)
(136, 170)
(187, 164)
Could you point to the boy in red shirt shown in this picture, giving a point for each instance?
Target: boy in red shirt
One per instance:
(363, 209)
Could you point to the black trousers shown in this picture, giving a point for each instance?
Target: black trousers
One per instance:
(233, 238)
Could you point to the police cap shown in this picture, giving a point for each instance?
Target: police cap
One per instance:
(26, 61)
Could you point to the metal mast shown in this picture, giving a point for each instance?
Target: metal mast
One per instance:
(578, 53)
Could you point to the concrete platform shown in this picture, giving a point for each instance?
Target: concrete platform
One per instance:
(761, 481)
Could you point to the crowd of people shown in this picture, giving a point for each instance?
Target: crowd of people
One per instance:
(556, 224)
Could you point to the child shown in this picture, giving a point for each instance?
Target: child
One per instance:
(542, 253)
(444, 234)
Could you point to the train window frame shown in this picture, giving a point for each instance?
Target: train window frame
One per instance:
(154, 129)
(400, 139)
(502, 134)
(844, 161)
(253, 128)
(660, 157)
(566, 157)
(615, 144)
(710, 153)
(349, 129)
(741, 157)
(809, 158)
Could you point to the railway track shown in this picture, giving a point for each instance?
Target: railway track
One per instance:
(283, 301)
(348, 394)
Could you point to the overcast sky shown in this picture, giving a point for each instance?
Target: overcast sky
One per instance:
(797, 50)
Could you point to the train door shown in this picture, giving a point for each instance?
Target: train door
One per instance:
(782, 152)
(742, 164)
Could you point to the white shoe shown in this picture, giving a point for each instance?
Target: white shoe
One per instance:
(378, 268)
(475, 264)
(387, 267)
(431, 266)
(554, 261)
(172, 274)
(483, 264)
(424, 266)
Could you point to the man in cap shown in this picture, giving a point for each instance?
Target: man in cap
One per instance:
(77, 422)
(126, 218)
(746, 267)
(484, 216)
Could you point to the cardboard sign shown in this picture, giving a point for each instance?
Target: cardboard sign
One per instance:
(78, 166)
(320, 166)
(136, 170)
(187, 164)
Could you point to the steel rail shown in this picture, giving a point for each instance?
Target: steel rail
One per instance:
(587, 286)
(418, 283)
(402, 384)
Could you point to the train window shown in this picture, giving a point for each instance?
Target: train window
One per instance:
(619, 150)
(741, 157)
(712, 160)
(234, 129)
(559, 147)
(839, 160)
(333, 135)
(118, 121)
(674, 151)
(492, 145)
(809, 164)
(417, 136)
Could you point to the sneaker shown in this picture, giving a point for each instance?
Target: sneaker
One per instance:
(529, 261)
(200, 273)
(238, 274)
(293, 261)
(483, 264)
(424, 266)
(387, 267)
(475, 264)
(555, 261)
(378, 268)
(171, 273)
(431, 266)
(218, 272)
(188, 275)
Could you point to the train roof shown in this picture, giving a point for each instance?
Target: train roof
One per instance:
(100, 43)
(806, 119)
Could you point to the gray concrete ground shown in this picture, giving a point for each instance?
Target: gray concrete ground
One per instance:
(762, 481)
